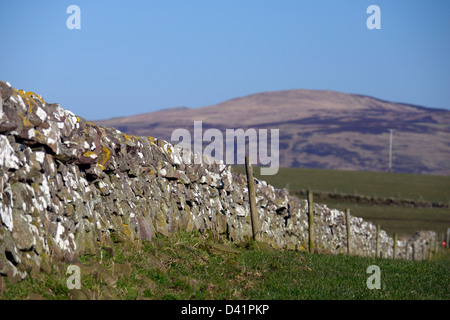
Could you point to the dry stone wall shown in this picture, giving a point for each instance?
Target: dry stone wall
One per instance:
(68, 187)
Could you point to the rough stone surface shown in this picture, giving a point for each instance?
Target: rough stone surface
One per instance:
(68, 186)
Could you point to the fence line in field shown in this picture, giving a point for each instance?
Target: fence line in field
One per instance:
(417, 248)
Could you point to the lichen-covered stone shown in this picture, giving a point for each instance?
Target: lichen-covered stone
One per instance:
(69, 187)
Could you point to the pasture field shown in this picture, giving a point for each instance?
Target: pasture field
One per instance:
(194, 266)
(380, 195)
(373, 184)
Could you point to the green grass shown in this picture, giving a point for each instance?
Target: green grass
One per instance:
(392, 218)
(189, 266)
(373, 184)
(404, 221)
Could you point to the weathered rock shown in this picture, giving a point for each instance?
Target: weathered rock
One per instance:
(69, 187)
(262, 246)
(149, 284)
(23, 231)
(35, 296)
(123, 269)
(153, 263)
(107, 293)
(45, 266)
(79, 294)
(220, 248)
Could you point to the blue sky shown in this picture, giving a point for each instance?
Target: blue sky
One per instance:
(132, 57)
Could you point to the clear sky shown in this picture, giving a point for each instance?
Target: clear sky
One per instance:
(132, 57)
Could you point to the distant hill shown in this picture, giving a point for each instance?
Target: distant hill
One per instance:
(320, 129)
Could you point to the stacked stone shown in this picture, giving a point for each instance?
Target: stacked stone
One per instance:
(69, 187)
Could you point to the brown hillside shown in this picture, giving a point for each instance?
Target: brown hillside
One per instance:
(321, 129)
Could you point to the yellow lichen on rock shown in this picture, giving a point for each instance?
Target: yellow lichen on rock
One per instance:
(129, 136)
(167, 149)
(104, 157)
(90, 154)
(29, 97)
(26, 122)
(151, 140)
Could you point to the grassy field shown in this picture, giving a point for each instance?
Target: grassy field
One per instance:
(392, 218)
(194, 266)
(374, 184)
(395, 219)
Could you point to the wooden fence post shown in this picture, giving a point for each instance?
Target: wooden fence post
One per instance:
(311, 221)
(424, 252)
(377, 253)
(438, 243)
(252, 199)
(435, 245)
(448, 238)
(430, 251)
(395, 246)
(349, 231)
(406, 250)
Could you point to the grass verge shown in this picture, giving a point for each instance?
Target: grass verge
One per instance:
(195, 267)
